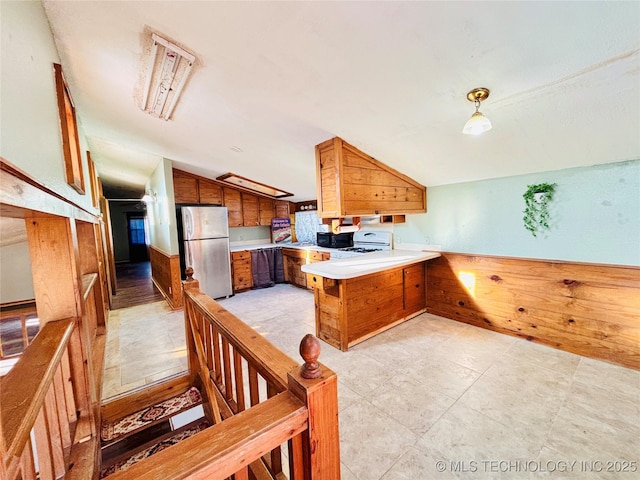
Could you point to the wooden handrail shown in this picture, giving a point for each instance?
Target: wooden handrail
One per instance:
(272, 363)
(23, 389)
(225, 448)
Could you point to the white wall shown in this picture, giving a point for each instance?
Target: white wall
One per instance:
(595, 216)
(161, 213)
(30, 136)
(15, 273)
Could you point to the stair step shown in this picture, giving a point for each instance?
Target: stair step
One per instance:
(111, 432)
(124, 461)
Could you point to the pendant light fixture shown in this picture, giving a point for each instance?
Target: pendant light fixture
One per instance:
(478, 123)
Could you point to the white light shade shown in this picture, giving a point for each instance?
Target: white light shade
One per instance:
(168, 68)
(477, 124)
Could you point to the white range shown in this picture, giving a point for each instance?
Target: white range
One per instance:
(365, 241)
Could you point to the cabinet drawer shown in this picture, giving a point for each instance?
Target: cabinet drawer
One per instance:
(244, 255)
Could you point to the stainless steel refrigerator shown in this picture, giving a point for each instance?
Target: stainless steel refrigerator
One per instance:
(204, 246)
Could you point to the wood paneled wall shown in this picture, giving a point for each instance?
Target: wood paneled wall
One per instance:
(588, 309)
(165, 272)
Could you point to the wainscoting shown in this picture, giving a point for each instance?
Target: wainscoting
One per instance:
(165, 273)
(589, 309)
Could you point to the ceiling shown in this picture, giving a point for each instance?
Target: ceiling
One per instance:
(274, 79)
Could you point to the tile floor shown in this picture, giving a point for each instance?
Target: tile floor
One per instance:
(430, 398)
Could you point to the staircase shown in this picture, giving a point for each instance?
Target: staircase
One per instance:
(136, 436)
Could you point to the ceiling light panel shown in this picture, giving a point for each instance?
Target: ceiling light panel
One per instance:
(168, 69)
(252, 185)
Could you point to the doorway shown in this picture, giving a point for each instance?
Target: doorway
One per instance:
(138, 248)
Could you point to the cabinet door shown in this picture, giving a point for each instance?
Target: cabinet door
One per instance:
(185, 188)
(210, 193)
(414, 288)
(233, 203)
(282, 208)
(298, 277)
(242, 273)
(250, 210)
(266, 211)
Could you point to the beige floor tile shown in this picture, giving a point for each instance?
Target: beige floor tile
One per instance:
(465, 435)
(410, 404)
(371, 442)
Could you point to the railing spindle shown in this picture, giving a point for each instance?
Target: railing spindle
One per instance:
(43, 447)
(61, 408)
(27, 466)
(254, 394)
(72, 415)
(239, 380)
(227, 370)
(55, 437)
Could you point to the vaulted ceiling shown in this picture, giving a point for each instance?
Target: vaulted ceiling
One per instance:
(273, 79)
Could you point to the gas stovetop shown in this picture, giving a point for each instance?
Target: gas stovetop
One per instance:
(359, 249)
(365, 241)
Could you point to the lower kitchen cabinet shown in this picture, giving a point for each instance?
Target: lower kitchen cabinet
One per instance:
(294, 258)
(415, 297)
(351, 310)
(241, 267)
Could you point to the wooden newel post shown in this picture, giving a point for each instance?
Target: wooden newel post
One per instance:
(317, 386)
(310, 351)
(190, 283)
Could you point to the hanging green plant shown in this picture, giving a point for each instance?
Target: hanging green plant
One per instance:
(536, 212)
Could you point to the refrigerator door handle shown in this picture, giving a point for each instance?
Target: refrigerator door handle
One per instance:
(188, 255)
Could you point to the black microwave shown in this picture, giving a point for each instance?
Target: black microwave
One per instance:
(334, 240)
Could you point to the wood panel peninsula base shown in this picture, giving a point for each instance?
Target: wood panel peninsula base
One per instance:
(359, 297)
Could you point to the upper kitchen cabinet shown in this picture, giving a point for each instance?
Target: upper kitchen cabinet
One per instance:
(233, 202)
(210, 193)
(351, 183)
(192, 189)
(266, 211)
(282, 208)
(250, 213)
(185, 187)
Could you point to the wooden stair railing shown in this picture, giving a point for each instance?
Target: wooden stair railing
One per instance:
(38, 395)
(258, 399)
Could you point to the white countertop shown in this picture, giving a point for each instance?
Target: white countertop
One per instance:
(352, 267)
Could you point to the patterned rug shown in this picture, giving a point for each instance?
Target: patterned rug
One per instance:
(124, 464)
(139, 420)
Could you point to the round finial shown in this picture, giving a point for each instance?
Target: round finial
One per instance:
(310, 351)
(189, 273)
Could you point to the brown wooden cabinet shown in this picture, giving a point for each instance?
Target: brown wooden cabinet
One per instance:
(282, 208)
(210, 193)
(241, 268)
(351, 310)
(190, 189)
(351, 183)
(293, 259)
(415, 297)
(250, 214)
(245, 209)
(267, 210)
(233, 202)
(185, 188)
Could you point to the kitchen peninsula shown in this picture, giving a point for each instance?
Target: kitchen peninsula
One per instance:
(358, 297)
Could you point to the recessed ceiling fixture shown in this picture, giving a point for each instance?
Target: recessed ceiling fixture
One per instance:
(247, 184)
(169, 68)
(478, 123)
